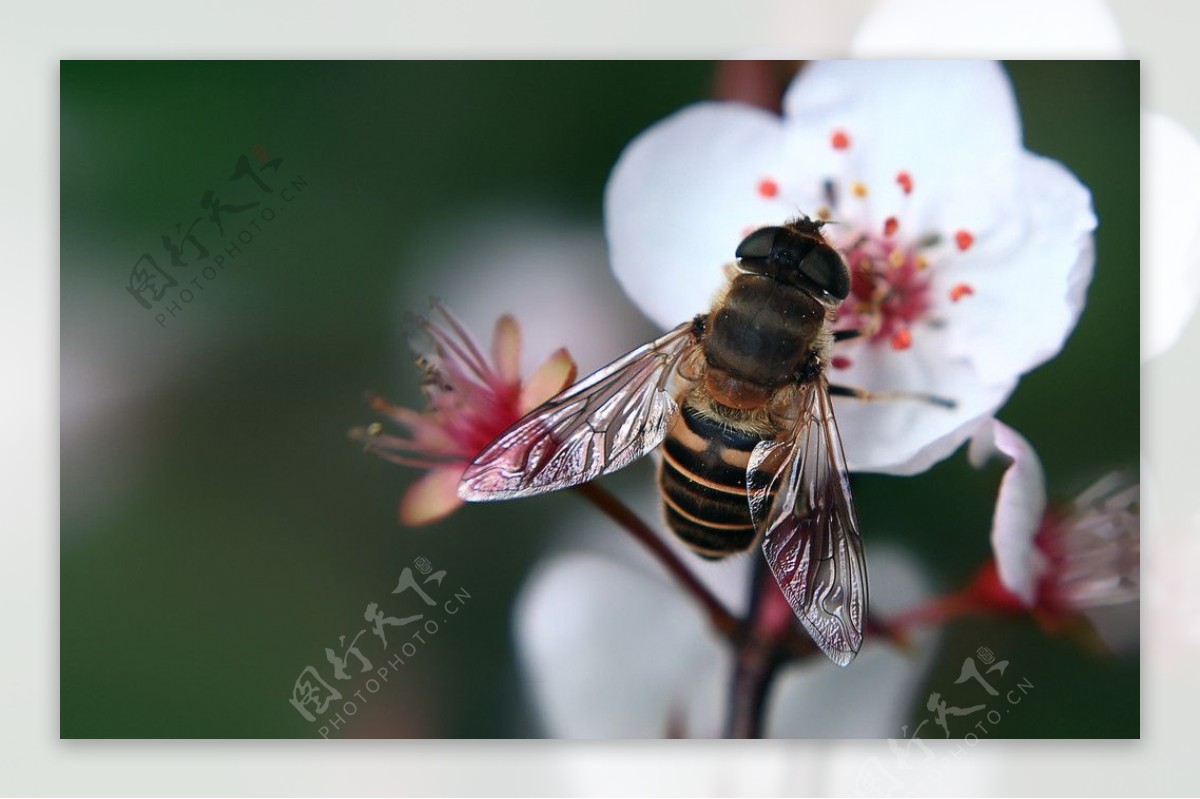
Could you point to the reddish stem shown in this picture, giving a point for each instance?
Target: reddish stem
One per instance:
(793, 641)
(757, 661)
(728, 625)
(937, 611)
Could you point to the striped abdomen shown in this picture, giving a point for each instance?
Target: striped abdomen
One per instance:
(703, 484)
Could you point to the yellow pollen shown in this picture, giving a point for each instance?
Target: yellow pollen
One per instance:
(896, 258)
(858, 189)
(920, 262)
(374, 429)
(823, 213)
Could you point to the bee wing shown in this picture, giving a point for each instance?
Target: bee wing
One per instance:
(606, 421)
(799, 495)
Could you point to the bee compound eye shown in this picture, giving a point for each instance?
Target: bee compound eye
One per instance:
(825, 268)
(758, 245)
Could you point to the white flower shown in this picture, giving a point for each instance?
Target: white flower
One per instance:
(544, 267)
(1060, 561)
(1082, 29)
(1008, 29)
(1170, 231)
(611, 648)
(952, 230)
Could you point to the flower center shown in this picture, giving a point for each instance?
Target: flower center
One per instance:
(889, 290)
(890, 268)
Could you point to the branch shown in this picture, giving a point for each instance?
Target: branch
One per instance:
(728, 625)
(768, 638)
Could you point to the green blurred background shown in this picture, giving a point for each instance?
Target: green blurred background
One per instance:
(218, 530)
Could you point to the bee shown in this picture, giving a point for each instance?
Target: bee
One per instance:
(739, 400)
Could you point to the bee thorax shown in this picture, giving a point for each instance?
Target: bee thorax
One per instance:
(733, 391)
(761, 332)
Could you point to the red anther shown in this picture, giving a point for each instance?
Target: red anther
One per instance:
(960, 290)
(840, 140)
(768, 188)
(902, 339)
(890, 225)
(905, 181)
(963, 239)
(840, 362)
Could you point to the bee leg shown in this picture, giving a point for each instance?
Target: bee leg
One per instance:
(873, 396)
(846, 335)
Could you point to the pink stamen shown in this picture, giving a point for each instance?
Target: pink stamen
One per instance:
(443, 342)
(889, 292)
(417, 463)
(400, 444)
(476, 355)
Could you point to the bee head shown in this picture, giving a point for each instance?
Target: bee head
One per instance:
(798, 255)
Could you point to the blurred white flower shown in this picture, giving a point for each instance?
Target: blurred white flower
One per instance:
(1059, 561)
(988, 29)
(611, 648)
(1170, 231)
(546, 268)
(950, 227)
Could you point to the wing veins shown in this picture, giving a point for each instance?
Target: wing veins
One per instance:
(600, 424)
(810, 533)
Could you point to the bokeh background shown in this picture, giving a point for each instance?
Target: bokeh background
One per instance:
(218, 529)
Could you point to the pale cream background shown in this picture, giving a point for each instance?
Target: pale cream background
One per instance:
(33, 760)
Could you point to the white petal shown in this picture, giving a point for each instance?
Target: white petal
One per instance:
(610, 645)
(952, 125)
(988, 28)
(1020, 506)
(1170, 231)
(679, 200)
(907, 436)
(1035, 267)
(611, 653)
